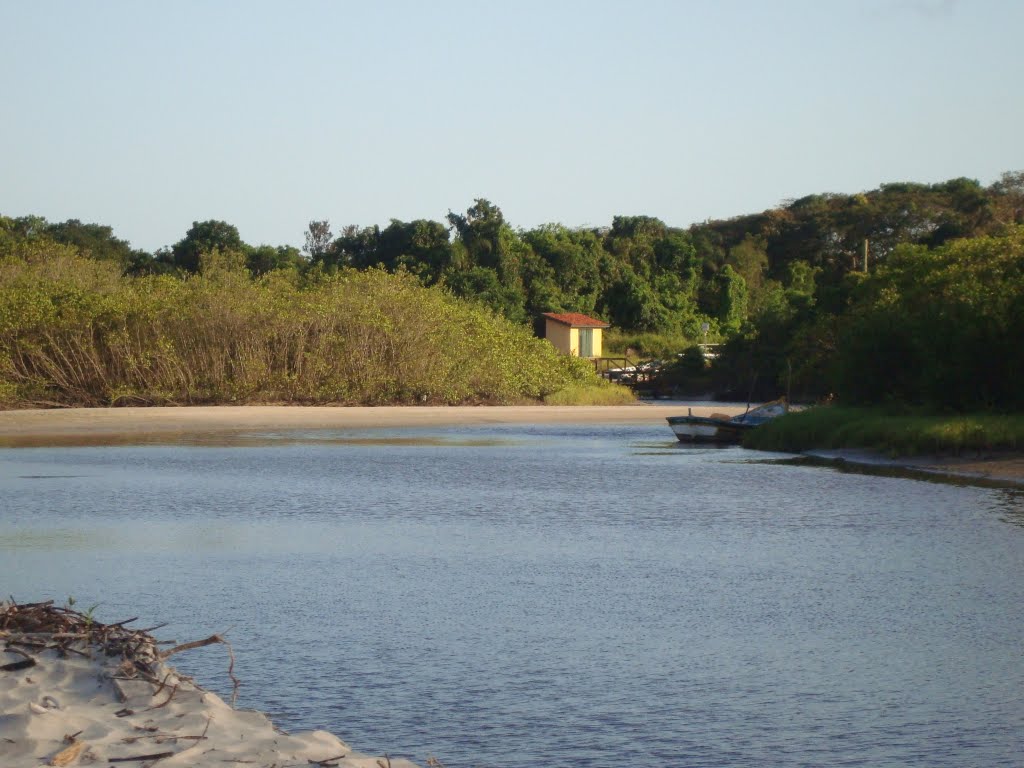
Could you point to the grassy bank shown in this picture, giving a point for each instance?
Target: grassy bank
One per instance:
(592, 393)
(890, 432)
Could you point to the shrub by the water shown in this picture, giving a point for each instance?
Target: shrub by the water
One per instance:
(888, 430)
(592, 393)
(73, 331)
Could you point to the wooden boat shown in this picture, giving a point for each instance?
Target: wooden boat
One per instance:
(721, 429)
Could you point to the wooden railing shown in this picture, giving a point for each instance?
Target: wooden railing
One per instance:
(622, 370)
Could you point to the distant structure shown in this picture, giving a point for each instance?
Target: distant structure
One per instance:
(574, 334)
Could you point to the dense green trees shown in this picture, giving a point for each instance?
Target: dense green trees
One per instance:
(92, 240)
(854, 296)
(938, 326)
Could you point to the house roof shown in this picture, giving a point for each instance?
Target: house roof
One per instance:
(576, 320)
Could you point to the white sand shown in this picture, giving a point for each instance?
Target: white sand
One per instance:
(44, 705)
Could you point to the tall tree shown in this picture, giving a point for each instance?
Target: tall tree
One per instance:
(267, 258)
(354, 247)
(93, 240)
(479, 230)
(318, 240)
(422, 247)
(205, 237)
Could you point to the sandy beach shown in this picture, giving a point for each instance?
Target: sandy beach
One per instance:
(84, 693)
(96, 425)
(110, 426)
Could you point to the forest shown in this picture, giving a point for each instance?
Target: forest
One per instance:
(909, 293)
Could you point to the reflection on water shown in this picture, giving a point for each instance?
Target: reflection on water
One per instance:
(45, 477)
(526, 595)
(1010, 503)
(236, 439)
(52, 540)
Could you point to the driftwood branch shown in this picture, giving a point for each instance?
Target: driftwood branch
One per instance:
(163, 684)
(327, 762)
(133, 758)
(167, 701)
(211, 640)
(14, 666)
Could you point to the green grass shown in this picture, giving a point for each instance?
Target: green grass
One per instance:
(643, 346)
(601, 393)
(890, 432)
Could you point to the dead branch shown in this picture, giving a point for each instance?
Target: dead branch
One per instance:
(42, 626)
(155, 626)
(231, 673)
(133, 758)
(163, 684)
(211, 640)
(14, 666)
(328, 762)
(167, 701)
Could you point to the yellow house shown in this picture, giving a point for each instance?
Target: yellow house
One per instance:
(574, 334)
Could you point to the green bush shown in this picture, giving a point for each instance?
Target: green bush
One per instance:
(75, 332)
(595, 393)
(644, 346)
(893, 431)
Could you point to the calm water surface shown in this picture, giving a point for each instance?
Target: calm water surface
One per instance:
(556, 595)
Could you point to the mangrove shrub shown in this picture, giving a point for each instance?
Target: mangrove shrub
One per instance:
(74, 331)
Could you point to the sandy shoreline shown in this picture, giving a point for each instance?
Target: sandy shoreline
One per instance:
(106, 426)
(85, 693)
(22, 427)
(997, 469)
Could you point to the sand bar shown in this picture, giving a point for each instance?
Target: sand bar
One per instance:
(104, 426)
(66, 425)
(94, 694)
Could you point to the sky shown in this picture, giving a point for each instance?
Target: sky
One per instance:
(147, 115)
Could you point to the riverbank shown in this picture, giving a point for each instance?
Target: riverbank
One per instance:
(999, 469)
(984, 446)
(75, 692)
(71, 426)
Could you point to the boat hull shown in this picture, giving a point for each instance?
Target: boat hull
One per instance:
(701, 429)
(721, 429)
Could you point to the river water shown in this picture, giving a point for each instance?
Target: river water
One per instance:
(550, 595)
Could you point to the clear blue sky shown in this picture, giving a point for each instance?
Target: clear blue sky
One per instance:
(147, 115)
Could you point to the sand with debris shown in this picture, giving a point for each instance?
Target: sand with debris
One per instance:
(90, 693)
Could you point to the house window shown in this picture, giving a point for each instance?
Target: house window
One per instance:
(586, 342)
